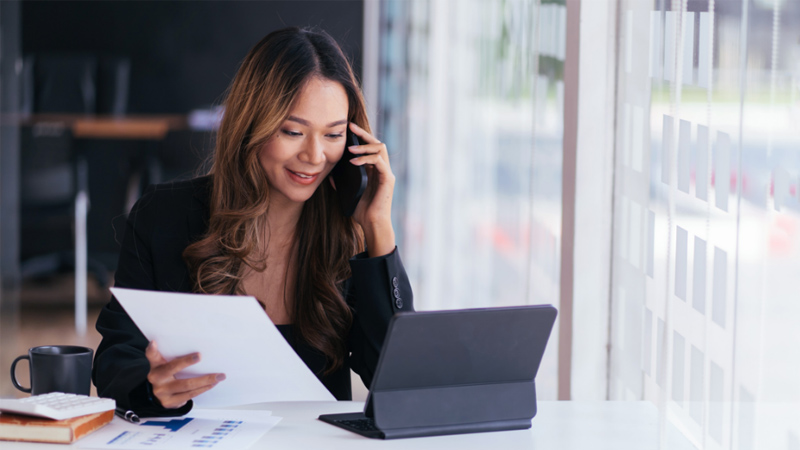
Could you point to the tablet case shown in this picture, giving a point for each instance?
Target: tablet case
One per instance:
(463, 371)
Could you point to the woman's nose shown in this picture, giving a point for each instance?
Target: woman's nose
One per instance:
(313, 152)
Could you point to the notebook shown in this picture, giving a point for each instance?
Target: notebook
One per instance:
(15, 427)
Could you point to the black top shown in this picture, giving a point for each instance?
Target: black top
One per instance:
(160, 226)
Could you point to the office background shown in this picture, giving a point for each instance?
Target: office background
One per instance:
(633, 162)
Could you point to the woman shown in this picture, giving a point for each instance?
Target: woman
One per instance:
(266, 222)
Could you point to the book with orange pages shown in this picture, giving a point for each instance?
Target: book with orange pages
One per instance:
(15, 427)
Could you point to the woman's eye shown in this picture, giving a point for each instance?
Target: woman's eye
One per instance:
(335, 136)
(291, 133)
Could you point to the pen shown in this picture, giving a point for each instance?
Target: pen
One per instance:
(126, 414)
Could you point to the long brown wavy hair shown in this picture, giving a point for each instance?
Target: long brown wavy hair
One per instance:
(258, 102)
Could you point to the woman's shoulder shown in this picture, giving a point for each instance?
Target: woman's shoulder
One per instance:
(164, 206)
(175, 196)
(165, 219)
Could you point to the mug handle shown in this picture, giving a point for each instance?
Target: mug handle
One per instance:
(14, 373)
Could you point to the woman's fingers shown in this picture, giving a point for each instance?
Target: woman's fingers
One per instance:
(179, 399)
(370, 149)
(192, 384)
(377, 165)
(172, 392)
(153, 355)
(360, 132)
(168, 391)
(374, 159)
(372, 154)
(368, 152)
(165, 372)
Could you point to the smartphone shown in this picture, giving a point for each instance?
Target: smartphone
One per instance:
(350, 180)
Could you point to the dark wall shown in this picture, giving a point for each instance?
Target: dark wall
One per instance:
(183, 56)
(183, 53)
(9, 159)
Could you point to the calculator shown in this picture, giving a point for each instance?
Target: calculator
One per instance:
(57, 405)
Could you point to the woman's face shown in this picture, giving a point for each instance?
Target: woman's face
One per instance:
(299, 157)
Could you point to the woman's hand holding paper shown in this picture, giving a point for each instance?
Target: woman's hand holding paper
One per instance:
(173, 392)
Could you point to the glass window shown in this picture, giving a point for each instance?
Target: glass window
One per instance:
(471, 110)
(707, 220)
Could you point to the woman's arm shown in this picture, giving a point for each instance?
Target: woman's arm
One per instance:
(120, 365)
(378, 289)
(379, 285)
(125, 367)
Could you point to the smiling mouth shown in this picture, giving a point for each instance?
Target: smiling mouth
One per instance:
(307, 176)
(303, 178)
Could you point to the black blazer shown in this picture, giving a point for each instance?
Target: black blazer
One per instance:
(160, 226)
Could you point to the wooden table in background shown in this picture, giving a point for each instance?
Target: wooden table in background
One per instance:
(148, 128)
(127, 127)
(151, 128)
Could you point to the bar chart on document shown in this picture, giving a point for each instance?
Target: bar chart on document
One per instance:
(182, 433)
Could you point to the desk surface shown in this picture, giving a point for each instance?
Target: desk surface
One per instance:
(557, 426)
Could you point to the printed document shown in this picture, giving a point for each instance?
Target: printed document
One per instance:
(216, 429)
(234, 336)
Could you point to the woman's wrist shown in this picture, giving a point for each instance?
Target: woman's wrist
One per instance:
(380, 239)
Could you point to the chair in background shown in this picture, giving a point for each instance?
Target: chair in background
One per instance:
(69, 84)
(113, 80)
(54, 205)
(54, 191)
(52, 177)
(63, 84)
(48, 182)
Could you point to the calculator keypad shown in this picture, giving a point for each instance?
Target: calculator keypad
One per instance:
(57, 405)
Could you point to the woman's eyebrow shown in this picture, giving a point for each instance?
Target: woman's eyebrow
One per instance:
(308, 124)
(337, 123)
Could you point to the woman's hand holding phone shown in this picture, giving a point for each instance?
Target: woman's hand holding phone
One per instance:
(173, 392)
(374, 211)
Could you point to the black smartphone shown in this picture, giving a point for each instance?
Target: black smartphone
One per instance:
(350, 180)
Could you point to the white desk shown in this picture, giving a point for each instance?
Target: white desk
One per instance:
(557, 426)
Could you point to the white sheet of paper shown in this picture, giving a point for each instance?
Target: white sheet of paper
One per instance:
(234, 336)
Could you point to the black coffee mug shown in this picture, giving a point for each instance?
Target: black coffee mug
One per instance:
(57, 368)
